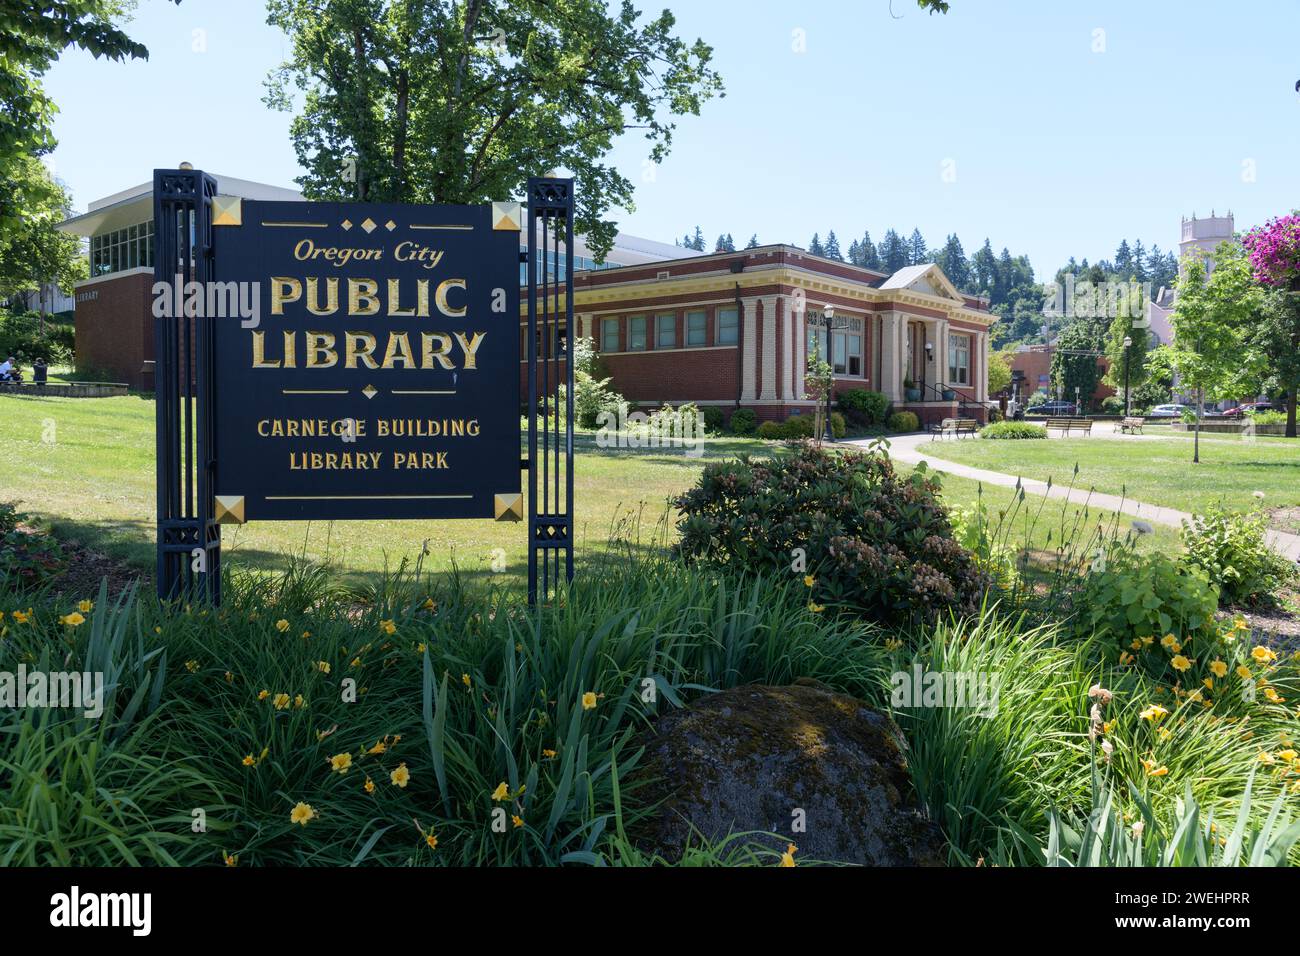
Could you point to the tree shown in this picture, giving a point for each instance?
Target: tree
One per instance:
(984, 269)
(460, 101)
(1075, 370)
(1274, 341)
(917, 250)
(816, 247)
(753, 242)
(35, 33)
(893, 253)
(952, 260)
(833, 247)
(868, 254)
(1210, 323)
(999, 372)
(32, 250)
(1128, 364)
(725, 243)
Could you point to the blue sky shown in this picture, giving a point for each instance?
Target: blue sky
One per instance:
(1051, 146)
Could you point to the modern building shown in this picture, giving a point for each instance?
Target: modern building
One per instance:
(113, 308)
(737, 329)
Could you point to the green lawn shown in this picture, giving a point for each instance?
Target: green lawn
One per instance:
(94, 482)
(1158, 472)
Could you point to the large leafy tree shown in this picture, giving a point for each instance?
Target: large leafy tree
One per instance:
(461, 100)
(32, 35)
(32, 250)
(1128, 363)
(1075, 369)
(1211, 323)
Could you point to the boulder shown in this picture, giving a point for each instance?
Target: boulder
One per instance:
(747, 759)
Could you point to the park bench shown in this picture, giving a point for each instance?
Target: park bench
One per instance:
(1067, 425)
(1130, 424)
(955, 426)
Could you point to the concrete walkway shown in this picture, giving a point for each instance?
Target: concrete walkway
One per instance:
(914, 449)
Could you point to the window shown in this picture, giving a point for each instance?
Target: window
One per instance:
(728, 327)
(666, 331)
(636, 333)
(958, 359)
(609, 335)
(696, 331)
(845, 345)
(127, 248)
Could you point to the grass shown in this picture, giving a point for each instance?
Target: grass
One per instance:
(1152, 471)
(94, 482)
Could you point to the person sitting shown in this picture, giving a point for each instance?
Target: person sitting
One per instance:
(8, 370)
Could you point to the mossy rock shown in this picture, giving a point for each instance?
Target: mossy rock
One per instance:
(747, 759)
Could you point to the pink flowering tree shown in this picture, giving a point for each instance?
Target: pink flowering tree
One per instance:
(1274, 336)
(1275, 251)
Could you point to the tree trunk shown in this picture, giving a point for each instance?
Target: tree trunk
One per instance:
(1290, 412)
(1200, 411)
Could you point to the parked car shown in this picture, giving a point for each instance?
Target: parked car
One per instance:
(1053, 408)
(1248, 408)
(1168, 411)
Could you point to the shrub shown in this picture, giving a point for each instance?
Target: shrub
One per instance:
(1013, 430)
(1231, 549)
(1268, 418)
(771, 431)
(1147, 606)
(873, 541)
(838, 426)
(799, 426)
(864, 407)
(591, 395)
(714, 420)
(1112, 405)
(973, 530)
(904, 422)
(28, 560)
(21, 336)
(743, 421)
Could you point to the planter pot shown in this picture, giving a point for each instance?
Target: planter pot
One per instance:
(912, 394)
(949, 395)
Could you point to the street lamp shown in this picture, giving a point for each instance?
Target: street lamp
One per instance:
(828, 313)
(1127, 342)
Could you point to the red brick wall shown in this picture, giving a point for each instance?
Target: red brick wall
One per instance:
(1037, 363)
(114, 328)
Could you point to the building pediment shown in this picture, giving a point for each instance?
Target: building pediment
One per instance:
(926, 279)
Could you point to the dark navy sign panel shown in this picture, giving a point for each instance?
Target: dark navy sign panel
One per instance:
(382, 378)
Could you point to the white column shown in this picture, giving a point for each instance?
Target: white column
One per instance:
(799, 330)
(787, 349)
(891, 364)
(982, 394)
(941, 359)
(748, 349)
(769, 349)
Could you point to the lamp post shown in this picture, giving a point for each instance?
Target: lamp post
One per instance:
(828, 313)
(1127, 342)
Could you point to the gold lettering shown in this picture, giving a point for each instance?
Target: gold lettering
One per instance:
(351, 351)
(363, 291)
(399, 350)
(395, 299)
(444, 347)
(284, 289)
(470, 347)
(440, 297)
(331, 296)
(321, 344)
(259, 354)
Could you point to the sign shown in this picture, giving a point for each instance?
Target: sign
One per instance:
(377, 373)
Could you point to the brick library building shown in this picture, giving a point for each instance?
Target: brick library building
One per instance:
(737, 330)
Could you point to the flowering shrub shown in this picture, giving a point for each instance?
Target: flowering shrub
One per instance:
(870, 540)
(1274, 250)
